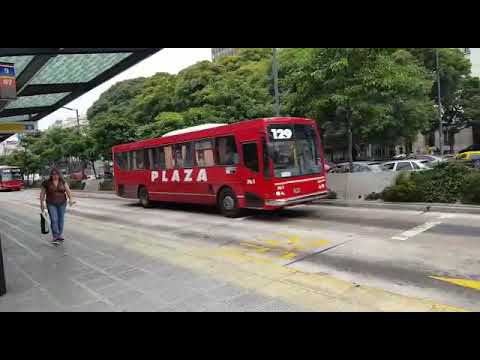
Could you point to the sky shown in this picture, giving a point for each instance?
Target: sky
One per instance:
(170, 60)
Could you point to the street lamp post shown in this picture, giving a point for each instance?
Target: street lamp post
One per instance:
(439, 95)
(78, 116)
(78, 129)
(275, 81)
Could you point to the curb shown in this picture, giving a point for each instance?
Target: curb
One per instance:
(461, 209)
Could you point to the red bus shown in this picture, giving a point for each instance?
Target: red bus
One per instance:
(261, 164)
(11, 178)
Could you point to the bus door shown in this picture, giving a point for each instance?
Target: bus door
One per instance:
(252, 175)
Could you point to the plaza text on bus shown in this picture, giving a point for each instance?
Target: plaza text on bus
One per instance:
(263, 164)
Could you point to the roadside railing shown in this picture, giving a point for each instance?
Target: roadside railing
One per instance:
(3, 286)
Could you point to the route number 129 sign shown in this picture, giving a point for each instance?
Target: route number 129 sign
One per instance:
(281, 134)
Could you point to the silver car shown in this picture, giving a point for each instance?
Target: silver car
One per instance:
(406, 165)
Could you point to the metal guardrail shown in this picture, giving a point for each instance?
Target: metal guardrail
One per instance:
(3, 286)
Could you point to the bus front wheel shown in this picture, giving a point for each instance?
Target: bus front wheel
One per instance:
(144, 197)
(228, 203)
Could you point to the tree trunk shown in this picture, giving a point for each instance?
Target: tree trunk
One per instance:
(93, 168)
(451, 141)
(350, 140)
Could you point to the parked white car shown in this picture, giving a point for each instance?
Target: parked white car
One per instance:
(434, 159)
(406, 165)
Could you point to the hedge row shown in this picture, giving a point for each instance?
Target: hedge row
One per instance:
(446, 183)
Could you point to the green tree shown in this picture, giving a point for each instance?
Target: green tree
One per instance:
(368, 93)
(231, 89)
(164, 122)
(455, 84)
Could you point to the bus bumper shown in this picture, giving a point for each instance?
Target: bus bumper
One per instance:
(295, 200)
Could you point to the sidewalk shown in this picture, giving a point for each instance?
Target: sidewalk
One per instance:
(433, 207)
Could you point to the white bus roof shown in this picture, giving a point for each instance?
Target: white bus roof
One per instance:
(193, 128)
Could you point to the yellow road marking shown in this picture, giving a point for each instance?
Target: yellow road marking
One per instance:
(289, 256)
(320, 243)
(472, 284)
(273, 242)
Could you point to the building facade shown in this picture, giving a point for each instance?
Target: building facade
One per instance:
(218, 53)
(9, 146)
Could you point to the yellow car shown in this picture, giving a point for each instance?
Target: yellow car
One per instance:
(467, 156)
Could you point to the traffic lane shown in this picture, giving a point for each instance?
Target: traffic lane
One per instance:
(385, 274)
(375, 254)
(315, 224)
(337, 225)
(199, 225)
(408, 267)
(432, 255)
(274, 236)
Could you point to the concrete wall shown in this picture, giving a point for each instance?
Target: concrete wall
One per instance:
(463, 139)
(357, 185)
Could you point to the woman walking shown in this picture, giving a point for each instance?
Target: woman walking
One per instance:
(56, 191)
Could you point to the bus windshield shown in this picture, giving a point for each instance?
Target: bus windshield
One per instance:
(294, 150)
(10, 174)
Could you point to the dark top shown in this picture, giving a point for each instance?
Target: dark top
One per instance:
(56, 195)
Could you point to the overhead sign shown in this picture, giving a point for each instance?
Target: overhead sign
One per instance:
(19, 127)
(8, 85)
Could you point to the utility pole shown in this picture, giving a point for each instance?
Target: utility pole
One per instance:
(440, 109)
(78, 116)
(275, 82)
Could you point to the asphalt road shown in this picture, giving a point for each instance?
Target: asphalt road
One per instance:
(433, 256)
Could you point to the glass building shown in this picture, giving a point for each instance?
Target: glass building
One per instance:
(218, 53)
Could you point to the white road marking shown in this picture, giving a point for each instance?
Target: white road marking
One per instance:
(416, 230)
(447, 216)
(422, 228)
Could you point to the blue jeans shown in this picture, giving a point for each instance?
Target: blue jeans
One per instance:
(57, 218)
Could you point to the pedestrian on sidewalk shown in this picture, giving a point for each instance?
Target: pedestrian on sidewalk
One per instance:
(56, 192)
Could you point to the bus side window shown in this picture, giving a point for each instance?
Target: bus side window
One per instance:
(146, 157)
(204, 156)
(187, 155)
(227, 153)
(129, 161)
(120, 160)
(169, 159)
(250, 156)
(149, 159)
(177, 155)
(158, 159)
(139, 159)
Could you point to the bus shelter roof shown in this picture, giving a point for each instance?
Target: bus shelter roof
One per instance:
(49, 78)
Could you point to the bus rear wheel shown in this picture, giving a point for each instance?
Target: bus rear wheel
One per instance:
(144, 197)
(228, 203)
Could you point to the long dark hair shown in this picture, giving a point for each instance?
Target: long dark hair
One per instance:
(55, 171)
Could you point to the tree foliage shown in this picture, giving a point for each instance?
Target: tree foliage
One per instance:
(382, 94)
(231, 89)
(379, 93)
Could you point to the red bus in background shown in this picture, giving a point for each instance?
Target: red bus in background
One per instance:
(11, 178)
(259, 164)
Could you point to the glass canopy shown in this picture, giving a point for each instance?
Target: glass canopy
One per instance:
(49, 78)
